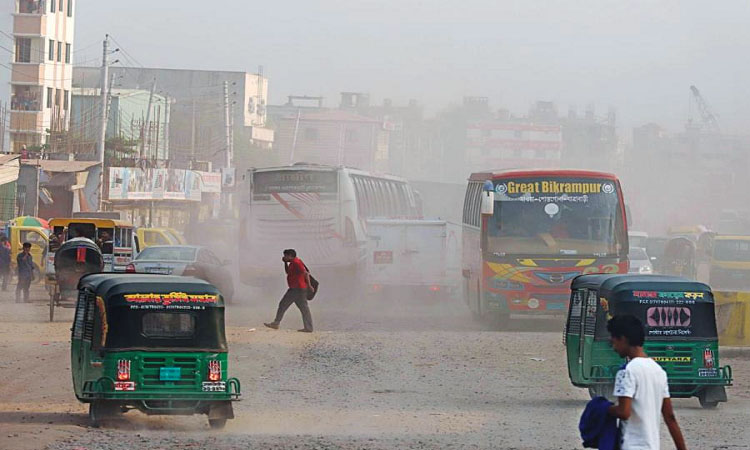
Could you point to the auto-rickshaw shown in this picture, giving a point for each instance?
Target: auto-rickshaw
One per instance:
(159, 236)
(155, 343)
(678, 316)
(680, 258)
(73, 259)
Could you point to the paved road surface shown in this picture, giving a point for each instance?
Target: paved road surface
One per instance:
(373, 376)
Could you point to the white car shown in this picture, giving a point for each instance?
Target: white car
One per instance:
(637, 238)
(186, 260)
(639, 261)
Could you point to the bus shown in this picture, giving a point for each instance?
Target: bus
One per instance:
(528, 233)
(321, 211)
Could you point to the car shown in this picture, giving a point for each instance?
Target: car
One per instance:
(637, 238)
(639, 261)
(186, 260)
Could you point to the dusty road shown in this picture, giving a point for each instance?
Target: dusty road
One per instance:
(373, 376)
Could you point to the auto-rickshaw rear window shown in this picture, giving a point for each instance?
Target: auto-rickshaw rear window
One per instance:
(670, 314)
(168, 325)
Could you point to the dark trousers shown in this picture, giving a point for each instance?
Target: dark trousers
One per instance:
(299, 298)
(5, 276)
(24, 282)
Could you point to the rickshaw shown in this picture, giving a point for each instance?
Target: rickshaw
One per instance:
(115, 239)
(681, 336)
(74, 259)
(154, 343)
(680, 258)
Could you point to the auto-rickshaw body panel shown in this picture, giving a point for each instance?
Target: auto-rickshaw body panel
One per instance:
(678, 316)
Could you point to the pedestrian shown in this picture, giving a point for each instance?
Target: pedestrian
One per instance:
(25, 272)
(4, 261)
(298, 280)
(641, 390)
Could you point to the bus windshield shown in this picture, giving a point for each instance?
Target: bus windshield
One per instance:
(732, 250)
(561, 216)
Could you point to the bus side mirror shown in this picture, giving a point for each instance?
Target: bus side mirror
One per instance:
(488, 203)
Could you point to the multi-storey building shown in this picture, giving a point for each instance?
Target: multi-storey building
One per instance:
(41, 71)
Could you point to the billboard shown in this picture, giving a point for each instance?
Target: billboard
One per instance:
(131, 183)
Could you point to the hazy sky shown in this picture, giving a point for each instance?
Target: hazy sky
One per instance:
(640, 56)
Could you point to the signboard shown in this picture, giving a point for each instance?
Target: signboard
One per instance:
(131, 183)
(210, 182)
(383, 257)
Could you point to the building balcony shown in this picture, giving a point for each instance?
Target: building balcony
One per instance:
(27, 73)
(29, 25)
(26, 121)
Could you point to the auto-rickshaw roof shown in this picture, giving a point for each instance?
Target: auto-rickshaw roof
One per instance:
(112, 287)
(99, 223)
(611, 284)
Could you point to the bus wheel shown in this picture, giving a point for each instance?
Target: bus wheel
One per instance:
(217, 424)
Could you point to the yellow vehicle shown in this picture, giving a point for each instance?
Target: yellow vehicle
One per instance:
(730, 263)
(36, 236)
(159, 236)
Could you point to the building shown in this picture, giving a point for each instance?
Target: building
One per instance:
(41, 71)
(129, 121)
(197, 130)
(335, 137)
(591, 142)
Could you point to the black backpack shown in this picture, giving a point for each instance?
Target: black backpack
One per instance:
(313, 288)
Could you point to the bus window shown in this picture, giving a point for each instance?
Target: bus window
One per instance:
(87, 230)
(467, 202)
(358, 195)
(373, 198)
(381, 198)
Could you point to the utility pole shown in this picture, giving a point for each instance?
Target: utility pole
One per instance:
(167, 107)
(147, 124)
(192, 137)
(103, 130)
(294, 138)
(228, 131)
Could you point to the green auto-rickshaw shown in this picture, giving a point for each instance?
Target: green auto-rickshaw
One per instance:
(678, 316)
(154, 343)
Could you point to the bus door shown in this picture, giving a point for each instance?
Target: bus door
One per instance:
(122, 245)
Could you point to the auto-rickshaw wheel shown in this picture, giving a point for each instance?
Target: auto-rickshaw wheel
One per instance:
(101, 410)
(706, 404)
(51, 308)
(217, 424)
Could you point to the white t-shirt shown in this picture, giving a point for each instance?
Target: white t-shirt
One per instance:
(645, 382)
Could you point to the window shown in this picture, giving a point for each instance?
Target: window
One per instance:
(52, 6)
(49, 100)
(70, 8)
(59, 51)
(66, 96)
(311, 134)
(61, 7)
(23, 50)
(67, 53)
(57, 97)
(350, 135)
(51, 48)
(176, 253)
(168, 325)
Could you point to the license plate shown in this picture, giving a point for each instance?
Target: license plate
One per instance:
(159, 270)
(214, 386)
(169, 373)
(124, 385)
(383, 257)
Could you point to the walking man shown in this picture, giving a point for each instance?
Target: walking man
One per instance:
(4, 262)
(641, 390)
(298, 280)
(25, 272)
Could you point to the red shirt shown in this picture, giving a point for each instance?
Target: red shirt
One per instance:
(295, 274)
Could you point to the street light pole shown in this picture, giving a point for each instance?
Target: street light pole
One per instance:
(103, 125)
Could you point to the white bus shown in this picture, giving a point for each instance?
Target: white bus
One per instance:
(320, 211)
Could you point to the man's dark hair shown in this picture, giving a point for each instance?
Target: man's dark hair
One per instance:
(26, 245)
(290, 252)
(628, 326)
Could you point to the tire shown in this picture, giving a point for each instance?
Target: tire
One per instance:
(706, 404)
(102, 410)
(217, 424)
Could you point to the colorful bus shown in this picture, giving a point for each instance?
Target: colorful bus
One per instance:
(320, 211)
(528, 233)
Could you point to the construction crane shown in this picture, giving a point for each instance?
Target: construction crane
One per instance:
(710, 123)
